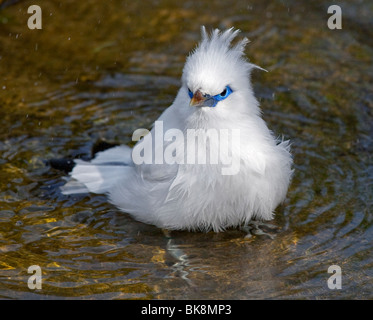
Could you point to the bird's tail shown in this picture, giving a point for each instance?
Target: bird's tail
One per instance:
(101, 173)
(96, 178)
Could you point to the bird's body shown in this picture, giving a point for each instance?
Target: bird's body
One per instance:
(245, 173)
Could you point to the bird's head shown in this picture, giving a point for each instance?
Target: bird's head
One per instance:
(217, 74)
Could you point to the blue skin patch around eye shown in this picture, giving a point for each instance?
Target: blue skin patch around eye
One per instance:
(212, 101)
(221, 96)
(190, 93)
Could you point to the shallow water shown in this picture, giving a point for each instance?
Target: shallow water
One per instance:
(100, 70)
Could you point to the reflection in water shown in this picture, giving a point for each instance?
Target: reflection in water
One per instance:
(107, 70)
(180, 267)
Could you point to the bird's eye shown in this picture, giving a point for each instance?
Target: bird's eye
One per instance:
(190, 93)
(224, 94)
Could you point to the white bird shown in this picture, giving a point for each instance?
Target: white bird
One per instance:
(172, 189)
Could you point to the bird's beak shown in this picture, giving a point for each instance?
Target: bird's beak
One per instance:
(197, 100)
(201, 100)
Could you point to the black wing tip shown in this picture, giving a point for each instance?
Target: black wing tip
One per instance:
(65, 165)
(102, 145)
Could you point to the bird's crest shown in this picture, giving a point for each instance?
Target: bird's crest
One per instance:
(218, 40)
(216, 62)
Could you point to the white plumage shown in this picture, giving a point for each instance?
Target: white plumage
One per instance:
(197, 196)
